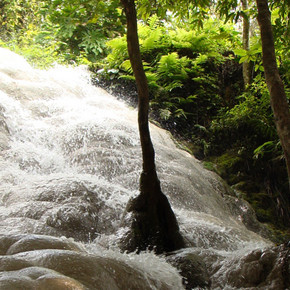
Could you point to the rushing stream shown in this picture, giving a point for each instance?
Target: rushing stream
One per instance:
(70, 160)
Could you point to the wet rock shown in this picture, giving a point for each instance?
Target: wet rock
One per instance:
(192, 269)
(242, 210)
(23, 243)
(260, 269)
(42, 262)
(60, 208)
(37, 278)
(76, 220)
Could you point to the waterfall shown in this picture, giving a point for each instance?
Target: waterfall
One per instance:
(70, 160)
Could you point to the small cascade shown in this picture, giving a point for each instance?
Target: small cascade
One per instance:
(70, 160)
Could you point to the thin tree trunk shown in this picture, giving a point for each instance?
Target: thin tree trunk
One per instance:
(142, 86)
(247, 67)
(153, 223)
(275, 85)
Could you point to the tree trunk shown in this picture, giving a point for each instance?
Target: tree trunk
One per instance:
(153, 223)
(247, 66)
(275, 85)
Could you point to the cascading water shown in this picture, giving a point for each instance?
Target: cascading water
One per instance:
(70, 160)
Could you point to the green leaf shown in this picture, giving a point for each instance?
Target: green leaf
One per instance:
(267, 147)
(240, 52)
(126, 65)
(180, 113)
(243, 59)
(165, 114)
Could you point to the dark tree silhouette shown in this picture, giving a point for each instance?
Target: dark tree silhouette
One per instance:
(153, 223)
(278, 97)
(275, 85)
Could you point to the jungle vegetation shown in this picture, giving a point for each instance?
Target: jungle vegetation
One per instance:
(204, 65)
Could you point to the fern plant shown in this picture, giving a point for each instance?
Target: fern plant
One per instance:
(172, 68)
(179, 63)
(118, 52)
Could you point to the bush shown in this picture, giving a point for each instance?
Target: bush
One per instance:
(182, 67)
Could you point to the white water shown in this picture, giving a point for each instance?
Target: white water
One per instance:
(70, 160)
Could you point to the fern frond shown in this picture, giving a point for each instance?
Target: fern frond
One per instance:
(172, 68)
(126, 65)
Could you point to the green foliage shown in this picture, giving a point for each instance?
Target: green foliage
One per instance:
(252, 117)
(180, 65)
(171, 69)
(248, 130)
(118, 52)
(229, 10)
(281, 31)
(254, 55)
(16, 16)
(267, 147)
(193, 11)
(72, 30)
(227, 164)
(20, 31)
(83, 26)
(36, 47)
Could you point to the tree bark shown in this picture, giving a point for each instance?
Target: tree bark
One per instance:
(275, 85)
(142, 86)
(153, 223)
(247, 67)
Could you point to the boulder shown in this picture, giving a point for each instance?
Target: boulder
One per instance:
(261, 269)
(192, 269)
(49, 263)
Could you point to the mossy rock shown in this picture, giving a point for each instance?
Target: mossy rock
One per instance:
(228, 162)
(246, 186)
(228, 166)
(263, 205)
(210, 166)
(264, 215)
